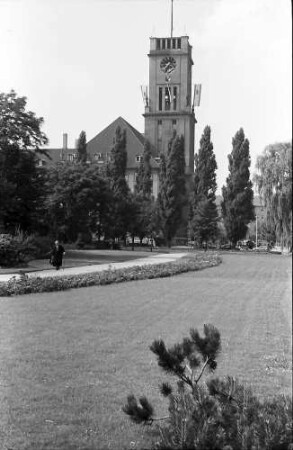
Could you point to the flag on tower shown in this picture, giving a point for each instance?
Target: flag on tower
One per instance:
(197, 95)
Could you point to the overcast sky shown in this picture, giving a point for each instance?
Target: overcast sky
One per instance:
(80, 63)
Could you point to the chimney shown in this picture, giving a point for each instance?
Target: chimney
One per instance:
(64, 146)
(65, 141)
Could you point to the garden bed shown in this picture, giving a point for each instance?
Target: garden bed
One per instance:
(26, 285)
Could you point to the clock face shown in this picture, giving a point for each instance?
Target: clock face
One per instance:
(168, 64)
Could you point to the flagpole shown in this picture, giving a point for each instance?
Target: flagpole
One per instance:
(171, 18)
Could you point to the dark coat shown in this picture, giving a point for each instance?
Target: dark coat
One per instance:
(57, 255)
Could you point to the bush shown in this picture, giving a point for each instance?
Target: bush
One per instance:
(9, 250)
(27, 285)
(19, 249)
(216, 414)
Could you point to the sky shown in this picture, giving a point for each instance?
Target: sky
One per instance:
(81, 63)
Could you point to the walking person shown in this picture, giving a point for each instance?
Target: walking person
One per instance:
(57, 255)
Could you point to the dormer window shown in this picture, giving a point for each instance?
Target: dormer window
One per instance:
(98, 156)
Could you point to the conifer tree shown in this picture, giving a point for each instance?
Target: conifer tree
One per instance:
(204, 210)
(171, 198)
(81, 148)
(143, 195)
(237, 204)
(120, 189)
(144, 177)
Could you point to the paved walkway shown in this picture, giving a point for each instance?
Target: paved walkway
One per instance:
(153, 259)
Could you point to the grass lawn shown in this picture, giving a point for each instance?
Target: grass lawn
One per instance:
(68, 360)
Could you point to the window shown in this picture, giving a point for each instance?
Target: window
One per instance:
(98, 156)
(138, 158)
(173, 43)
(159, 129)
(163, 44)
(71, 156)
(179, 43)
(167, 99)
(174, 98)
(41, 162)
(158, 44)
(174, 124)
(160, 98)
(168, 43)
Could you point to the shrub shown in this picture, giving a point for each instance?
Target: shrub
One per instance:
(27, 285)
(216, 414)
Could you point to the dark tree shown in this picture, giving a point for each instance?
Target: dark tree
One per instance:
(144, 177)
(21, 183)
(145, 203)
(81, 148)
(117, 176)
(237, 204)
(204, 215)
(171, 198)
(79, 202)
(274, 183)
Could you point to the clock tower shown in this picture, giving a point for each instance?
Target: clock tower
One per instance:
(168, 99)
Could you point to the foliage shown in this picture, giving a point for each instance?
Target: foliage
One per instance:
(20, 248)
(27, 285)
(21, 181)
(217, 414)
(274, 183)
(171, 198)
(121, 203)
(237, 204)
(204, 215)
(81, 148)
(143, 184)
(19, 127)
(80, 198)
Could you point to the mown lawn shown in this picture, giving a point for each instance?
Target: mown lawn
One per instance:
(69, 359)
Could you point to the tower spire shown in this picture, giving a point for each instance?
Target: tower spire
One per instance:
(171, 18)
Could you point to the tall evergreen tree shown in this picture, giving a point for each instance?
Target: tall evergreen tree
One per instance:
(81, 148)
(143, 195)
(237, 204)
(143, 184)
(171, 198)
(119, 186)
(204, 210)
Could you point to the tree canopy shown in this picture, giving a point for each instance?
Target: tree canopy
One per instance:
(204, 215)
(274, 183)
(237, 204)
(81, 148)
(21, 183)
(171, 198)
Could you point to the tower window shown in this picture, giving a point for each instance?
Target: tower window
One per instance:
(168, 43)
(158, 44)
(163, 44)
(173, 43)
(160, 98)
(174, 98)
(179, 43)
(159, 129)
(174, 124)
(167, 99)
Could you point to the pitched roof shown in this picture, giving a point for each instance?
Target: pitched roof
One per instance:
(104, 141)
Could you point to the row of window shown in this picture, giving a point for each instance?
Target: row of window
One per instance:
(168, 43)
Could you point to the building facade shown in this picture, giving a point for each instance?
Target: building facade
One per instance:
(168, 99)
